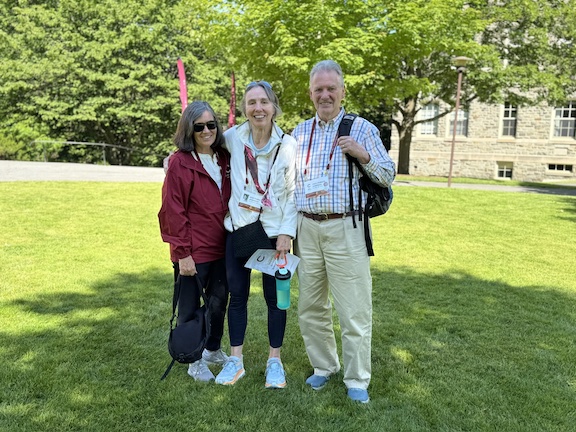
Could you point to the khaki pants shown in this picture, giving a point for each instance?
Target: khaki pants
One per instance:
(334, 260)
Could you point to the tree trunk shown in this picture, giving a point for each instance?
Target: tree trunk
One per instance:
(405, 130)
(404, 151)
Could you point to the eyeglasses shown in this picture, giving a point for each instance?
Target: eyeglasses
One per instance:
(259, 83)
(199, 127)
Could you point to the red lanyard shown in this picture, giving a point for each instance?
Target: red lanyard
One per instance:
(252, 166)
(310, 146)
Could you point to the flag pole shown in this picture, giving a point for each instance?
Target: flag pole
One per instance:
(182, 80)
(232, 112)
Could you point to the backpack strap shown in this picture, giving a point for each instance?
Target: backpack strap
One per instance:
(351, 193)
(175, 298)
(168, 369)
(346, 124)
(344, 130)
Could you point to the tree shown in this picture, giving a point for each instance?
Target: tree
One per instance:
(396, 55)
(105, 72)
(101, 72)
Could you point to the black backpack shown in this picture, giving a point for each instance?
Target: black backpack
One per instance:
(379, 197)
(187, 340)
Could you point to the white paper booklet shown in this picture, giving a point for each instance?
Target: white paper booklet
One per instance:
(264, 260)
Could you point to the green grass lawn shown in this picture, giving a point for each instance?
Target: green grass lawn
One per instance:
(474, 320)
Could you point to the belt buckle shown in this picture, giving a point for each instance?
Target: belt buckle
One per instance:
(322, 216)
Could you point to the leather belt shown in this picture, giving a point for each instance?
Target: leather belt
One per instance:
(326, 216)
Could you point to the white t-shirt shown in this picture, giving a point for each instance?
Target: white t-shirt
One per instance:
(210, 164)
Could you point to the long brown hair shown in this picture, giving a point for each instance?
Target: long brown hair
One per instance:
(184, 136)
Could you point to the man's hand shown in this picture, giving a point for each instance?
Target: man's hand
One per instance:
(187, 266)
(351, 147)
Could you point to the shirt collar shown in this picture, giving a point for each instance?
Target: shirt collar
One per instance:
(244, 133)
(330, 123)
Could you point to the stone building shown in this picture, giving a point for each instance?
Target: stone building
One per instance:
(496, 142)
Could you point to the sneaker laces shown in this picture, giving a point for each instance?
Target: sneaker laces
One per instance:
(274, 366)
(275, 371)
(200, 367)
(230, 366)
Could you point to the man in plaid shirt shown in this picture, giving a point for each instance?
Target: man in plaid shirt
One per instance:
(330, 245)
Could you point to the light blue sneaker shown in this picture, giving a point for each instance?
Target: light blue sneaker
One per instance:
(316, 381)
(232, 371)
(275, 375)
(358, 395)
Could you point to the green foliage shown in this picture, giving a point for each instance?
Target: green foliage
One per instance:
(472, 334)
(396, 55)
(389, 52)
(102, 72)
(106, 71)
(538, 40)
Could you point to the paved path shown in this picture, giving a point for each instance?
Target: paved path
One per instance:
(57, 171)
(499, 188)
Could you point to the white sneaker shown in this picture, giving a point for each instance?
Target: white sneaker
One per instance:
(200, 372)
(217, 357)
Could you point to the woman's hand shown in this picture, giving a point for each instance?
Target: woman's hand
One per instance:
(283, 244)
(187, 266)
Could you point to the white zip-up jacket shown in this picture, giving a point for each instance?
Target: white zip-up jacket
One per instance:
(282, 217)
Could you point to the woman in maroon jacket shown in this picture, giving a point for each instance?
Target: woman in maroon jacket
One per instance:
(194, 202)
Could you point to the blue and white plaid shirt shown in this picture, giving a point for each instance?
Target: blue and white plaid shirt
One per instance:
(381, 168)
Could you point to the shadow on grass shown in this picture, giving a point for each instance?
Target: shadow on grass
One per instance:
(570, 209)
(443, 345)
(453, 343)
(545, 188)
(79, 356)
(548, 188)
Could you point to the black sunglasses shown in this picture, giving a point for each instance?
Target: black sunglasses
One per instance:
(199, 127)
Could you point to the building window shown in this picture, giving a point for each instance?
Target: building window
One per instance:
(462, 124)
(505, 170)
(509, 120)
(561, 167)
(429, 127)
(565, 120)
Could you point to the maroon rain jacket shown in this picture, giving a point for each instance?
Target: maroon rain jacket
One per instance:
(193, 208)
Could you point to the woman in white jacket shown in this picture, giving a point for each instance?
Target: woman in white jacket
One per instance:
(259, 151)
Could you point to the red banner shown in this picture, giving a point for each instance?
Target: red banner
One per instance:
(232, 112)
(183, 89)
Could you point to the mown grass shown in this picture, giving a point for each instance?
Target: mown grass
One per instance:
(474, 320)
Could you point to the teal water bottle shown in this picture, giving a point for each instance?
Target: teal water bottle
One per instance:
(283, 276)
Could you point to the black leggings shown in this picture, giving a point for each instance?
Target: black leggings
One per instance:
(213, 277)
(239, 284)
